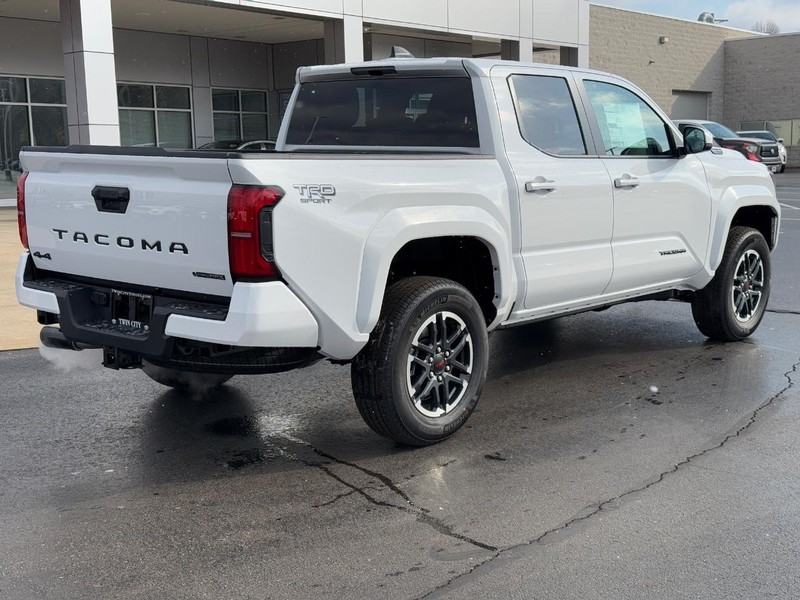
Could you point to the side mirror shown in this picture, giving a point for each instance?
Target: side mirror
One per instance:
(780, 140)
(697, 140)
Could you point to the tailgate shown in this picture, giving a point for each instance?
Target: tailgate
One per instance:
(157, 221)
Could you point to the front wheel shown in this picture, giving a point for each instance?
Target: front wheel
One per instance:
(419, 377)
(731, 307)
(184, 380)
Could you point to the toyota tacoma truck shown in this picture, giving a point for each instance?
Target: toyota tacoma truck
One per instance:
(412, 206)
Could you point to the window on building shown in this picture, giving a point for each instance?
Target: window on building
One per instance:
(239, 114)
(546, 114)
(628, 125)
(154, 115)
(33, 111)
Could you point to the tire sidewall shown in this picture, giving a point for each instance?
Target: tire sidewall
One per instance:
(458, 301)
(753, 241)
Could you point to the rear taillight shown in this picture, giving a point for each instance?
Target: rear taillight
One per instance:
(250, 239)
(23, 225)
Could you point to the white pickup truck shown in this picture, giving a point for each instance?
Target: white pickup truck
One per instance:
(412, 206)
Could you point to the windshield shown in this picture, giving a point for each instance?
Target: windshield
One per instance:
(719, 131)
(761, 135)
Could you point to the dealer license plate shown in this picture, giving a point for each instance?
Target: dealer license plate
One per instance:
(131, 310)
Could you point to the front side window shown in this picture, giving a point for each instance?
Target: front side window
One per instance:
(402, 111)
(546, 114)
(628, 126)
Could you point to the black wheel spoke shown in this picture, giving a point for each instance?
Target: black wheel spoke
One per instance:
(424, 347)
(419, 362)
(449, 341)
(420, 380)
(459, 366)
(442, 398)
(740, 302)
(442, 337)
(455, 350)
(754, 264)
(460, 382)
(426, 388)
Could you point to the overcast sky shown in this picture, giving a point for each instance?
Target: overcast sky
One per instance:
(740, 13)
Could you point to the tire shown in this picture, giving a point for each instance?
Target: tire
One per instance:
(184, 380)
(731, 306)
(783, 168)
(420, 376)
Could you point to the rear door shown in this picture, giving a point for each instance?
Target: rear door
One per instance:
(662, 204)
(565, 198)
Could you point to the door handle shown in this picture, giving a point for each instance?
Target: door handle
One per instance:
(111, 199)
(626, 181)
(540, 184)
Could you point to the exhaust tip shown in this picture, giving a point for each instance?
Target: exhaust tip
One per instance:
(53, 338)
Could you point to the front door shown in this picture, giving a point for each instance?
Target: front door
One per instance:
(662, 204)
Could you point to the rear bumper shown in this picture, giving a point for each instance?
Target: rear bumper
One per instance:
(260, 316)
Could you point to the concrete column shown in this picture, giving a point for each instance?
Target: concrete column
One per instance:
(583, 56)
(569, 56)
(521, 50)
(201, 92)
(91, 81)
(344, 40)
(509, 49)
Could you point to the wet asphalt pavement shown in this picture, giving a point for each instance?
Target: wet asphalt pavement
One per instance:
(613, 455)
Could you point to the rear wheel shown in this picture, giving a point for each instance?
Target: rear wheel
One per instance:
(731, 307)
(184, 380)
(420, 376)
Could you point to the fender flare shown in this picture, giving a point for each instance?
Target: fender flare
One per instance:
(733, 199)
(404, 225)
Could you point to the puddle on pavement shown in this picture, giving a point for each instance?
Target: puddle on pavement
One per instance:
(251, 456)
(243, 426)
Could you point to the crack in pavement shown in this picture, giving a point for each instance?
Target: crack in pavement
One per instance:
(782, 311)
(593, 510)
(378, 489)
(422, 514)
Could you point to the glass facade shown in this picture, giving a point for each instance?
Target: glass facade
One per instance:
(155, 115)
(239, 114)
(33, 111)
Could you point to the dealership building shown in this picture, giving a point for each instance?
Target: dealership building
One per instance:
(694, 70)
(182, 73)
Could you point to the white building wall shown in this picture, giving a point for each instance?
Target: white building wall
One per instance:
(556, 22)
(35, 48)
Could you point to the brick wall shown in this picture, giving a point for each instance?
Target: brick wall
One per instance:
(626, 43)
(762, 79)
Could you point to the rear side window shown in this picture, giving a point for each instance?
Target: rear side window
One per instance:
(627, 123)
(424, 111)
(546, 114)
